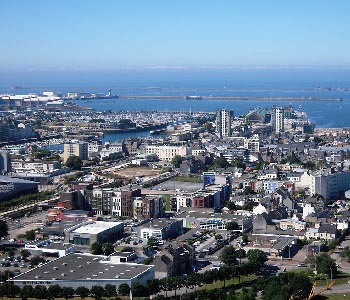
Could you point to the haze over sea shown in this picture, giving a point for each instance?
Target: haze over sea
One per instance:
(203, 82)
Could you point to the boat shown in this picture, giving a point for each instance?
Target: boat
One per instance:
(194, 97)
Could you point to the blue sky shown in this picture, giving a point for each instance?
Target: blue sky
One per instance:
(68, 35)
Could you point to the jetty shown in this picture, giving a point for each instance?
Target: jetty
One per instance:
(234, 98)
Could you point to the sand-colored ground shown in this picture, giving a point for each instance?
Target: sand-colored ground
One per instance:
(137, 172)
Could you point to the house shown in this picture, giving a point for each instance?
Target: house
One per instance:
(324, 232)
(175, 259)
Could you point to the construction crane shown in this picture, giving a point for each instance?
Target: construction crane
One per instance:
(313, 291)
(313, 294)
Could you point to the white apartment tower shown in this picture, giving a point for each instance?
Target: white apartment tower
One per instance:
(223, 122)
(278, 119)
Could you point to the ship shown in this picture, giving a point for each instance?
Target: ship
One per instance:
(194, 97)
(157, 131)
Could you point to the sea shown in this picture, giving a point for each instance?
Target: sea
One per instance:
(302, 83)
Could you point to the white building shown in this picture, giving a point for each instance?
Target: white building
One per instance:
(223, 122)
(330, 184)
(85, 270)
(278, 119)
(167, 152)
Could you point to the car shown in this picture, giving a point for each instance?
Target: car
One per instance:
(301, 265)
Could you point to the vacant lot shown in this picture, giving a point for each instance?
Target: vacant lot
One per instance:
(137, 172)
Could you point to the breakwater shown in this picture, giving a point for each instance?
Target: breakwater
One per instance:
(234, 98)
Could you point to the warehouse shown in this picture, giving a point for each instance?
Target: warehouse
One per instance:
(87, 270)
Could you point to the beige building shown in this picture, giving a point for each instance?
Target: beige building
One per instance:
(79, 149)
(165, 152)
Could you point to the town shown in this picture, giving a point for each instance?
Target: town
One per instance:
(207, 197)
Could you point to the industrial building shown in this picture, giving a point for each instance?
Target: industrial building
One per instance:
(76, 270)
(90, 232)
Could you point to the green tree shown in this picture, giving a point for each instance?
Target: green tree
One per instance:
(311, 165)
(257, 257)
(36, 260)
(231, 205)
(54, 291)
(24, 253)
(238, 162)
(82, 291)
(221, 162)
(74, 162)
(3, 228)
(67, 292)
(229, 256)
(110, 290)
(124, 289)
(107, 248)
(232, 225)
(326, 265)
(30, 235)
(176, 161)
(138, 290)
(96, 248)
(26, 292)
(218, 236)
(287, 285)
(152, 241)
(240, 253)
(97, 292)
(40, 292)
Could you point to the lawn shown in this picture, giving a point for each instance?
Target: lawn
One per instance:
(231, 282)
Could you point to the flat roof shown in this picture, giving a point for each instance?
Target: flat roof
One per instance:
(83, 267)
(95, 227)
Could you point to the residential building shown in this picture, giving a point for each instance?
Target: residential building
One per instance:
(278, 119)
(79, 149)
(223, 122)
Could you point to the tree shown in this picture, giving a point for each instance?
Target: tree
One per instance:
(27, 291)
(311, 165)
(110, 290)
(232, 226)
(326, 265)
(153, 285)
(30, 235)
(67, 292)
(36, 260)
(287, 285)
(3, 228)
(74, 162)
(231, 205)
(176, 161)
(138, 290)
(24, 253)
(238, 162)
(240, 253)
(124, 289)
(55, 291)
(218, 236)
(97, 292)
(12, 290)
(107, 248)
(96, 248)
(228, 255)
(40, 292)
(221, 162)
(82, 291)
(152, 241)
(257, 257)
